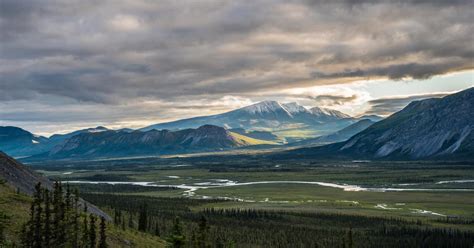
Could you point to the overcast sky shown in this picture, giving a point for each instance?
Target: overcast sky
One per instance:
(80, 63)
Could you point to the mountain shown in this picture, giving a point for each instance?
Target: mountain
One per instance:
(436, 128)
(267, 116)
(341, 135)
(373, 118)
(19, 142)
(58, 138)
(328, 114)
(24, 179)
(154, 142)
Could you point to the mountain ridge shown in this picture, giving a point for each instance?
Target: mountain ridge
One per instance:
(112, 143)
(436, 128)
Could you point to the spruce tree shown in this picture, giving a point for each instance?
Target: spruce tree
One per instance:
(92, 232)
(130, 220)
(203, 231)
(75, 221)
(350, 242)
(102, 234)
(177, 238)
(47, 218)
(143, 219)
(37, 220)
(85, 232)
(157, 229)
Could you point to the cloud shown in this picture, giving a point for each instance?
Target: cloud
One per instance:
(388, 106)
(125, 23)
(331, 100)
(113, 52)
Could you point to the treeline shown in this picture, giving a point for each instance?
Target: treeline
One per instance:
(58, 219)
(260, 228)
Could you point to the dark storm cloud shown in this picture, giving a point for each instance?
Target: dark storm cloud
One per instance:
(387, 106)
(112, 52)
(413, 70)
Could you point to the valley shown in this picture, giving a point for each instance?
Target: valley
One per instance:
(384, 189)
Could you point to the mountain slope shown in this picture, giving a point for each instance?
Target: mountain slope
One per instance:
(429, 129)
(24, 179)
(19, 142)
(266, 115)
(341, 135)
(16, 206)
(119, 143)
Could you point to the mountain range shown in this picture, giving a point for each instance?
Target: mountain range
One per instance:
(270, 116)
(111, 143)
(249, 125)
(436, 128)
(20, 143)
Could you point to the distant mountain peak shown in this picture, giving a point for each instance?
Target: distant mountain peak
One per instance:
(294, 107)
(264, 106)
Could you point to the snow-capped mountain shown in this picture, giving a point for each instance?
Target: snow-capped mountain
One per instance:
(268, 116)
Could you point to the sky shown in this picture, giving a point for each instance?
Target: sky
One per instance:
(66, 65)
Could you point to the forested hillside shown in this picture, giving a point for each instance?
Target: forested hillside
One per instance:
(19, 229)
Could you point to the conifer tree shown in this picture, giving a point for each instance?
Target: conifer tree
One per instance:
(143, 219)
(102, 234)
(350, 242)
(37, 220)
(92, 232)
(157, 229)
(177, 238)
(130, 220)
(75, 222)
(202, 238)
(85, 231)
(47, 218)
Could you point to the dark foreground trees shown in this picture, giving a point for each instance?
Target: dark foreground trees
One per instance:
(55, 221)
